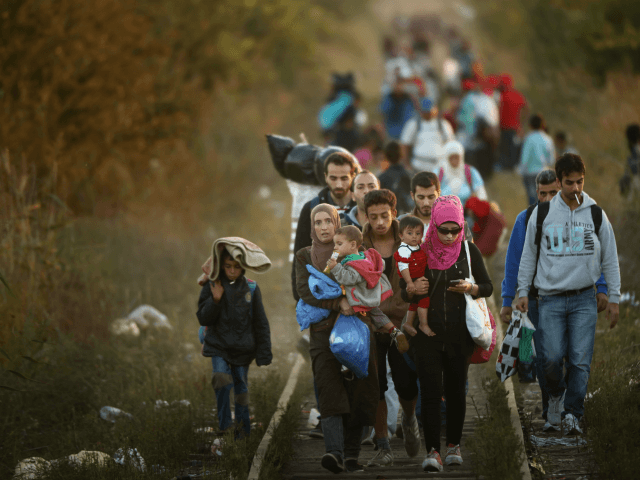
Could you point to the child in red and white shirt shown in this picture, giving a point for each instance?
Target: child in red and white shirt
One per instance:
(412, 263)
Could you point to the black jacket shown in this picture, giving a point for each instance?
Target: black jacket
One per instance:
(397, 179)
(446, 315)
(303, 232)
(237, 326)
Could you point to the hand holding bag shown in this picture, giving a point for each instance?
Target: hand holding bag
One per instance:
(477, 314)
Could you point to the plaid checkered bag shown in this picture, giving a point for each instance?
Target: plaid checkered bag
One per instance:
(507, 362)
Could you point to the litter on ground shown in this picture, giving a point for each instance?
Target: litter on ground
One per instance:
(567, 441)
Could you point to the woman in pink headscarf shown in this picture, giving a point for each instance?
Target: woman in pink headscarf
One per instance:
(448, 351)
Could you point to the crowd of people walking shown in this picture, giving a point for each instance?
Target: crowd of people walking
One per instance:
(403, 203)
(432, 168)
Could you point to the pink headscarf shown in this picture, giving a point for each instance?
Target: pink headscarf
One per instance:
(445, 209)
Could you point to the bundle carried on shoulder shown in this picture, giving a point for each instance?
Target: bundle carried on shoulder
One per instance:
(301, 163)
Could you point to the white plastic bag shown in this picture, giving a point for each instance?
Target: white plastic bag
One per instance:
(477, 314)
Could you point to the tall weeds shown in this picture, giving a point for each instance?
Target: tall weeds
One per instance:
(31, 217)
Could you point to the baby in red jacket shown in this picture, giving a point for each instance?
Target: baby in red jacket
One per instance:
(412, 262)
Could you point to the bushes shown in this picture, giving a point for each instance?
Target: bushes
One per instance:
(600, 37)
(80, 91)
(112, 91)
(495, 445)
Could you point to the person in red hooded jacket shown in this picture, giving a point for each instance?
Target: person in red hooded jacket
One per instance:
(513, 108)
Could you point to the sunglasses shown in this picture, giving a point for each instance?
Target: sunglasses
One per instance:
(446, 231)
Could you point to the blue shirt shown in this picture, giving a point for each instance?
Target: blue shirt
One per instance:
(512, 262)
(396, 112)
(538, 153)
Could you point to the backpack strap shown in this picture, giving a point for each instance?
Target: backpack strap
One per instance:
(596, 214)
(543, 211)
(527, 215)
(467, 175)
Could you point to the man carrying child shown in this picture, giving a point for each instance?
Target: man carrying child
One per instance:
(382, 232)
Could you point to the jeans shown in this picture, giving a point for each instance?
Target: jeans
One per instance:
(538, 362)
(567, 329)
(224, 378)
(530, 188)
(340, 438)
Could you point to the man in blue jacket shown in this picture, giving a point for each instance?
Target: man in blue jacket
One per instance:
(546, 189)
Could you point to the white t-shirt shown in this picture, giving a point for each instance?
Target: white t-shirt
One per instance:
(427, 141)
(487, 109)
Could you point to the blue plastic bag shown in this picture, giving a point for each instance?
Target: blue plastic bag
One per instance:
(332, 111)
(307, 315)
(321, 286)
(349, 342)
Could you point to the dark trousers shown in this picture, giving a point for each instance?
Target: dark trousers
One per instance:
(404, 379)
(431, 365)
(345, 405)
(509, 149)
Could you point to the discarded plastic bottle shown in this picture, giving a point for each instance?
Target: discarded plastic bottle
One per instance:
(111, 414)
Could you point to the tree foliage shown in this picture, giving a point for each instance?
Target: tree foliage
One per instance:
(598, 35)
(101, 88)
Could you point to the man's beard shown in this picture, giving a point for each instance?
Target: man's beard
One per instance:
(425, 211)
(339, 195)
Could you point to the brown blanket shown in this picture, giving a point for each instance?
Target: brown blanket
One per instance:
(248, 254)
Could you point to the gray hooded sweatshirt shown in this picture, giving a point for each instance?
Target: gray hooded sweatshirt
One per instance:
(572, 256)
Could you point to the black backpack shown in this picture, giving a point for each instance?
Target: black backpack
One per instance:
(543, 211)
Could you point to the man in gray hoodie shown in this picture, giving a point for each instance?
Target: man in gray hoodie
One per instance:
(577, 244)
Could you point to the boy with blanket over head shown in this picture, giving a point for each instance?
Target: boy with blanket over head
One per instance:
(234, 326)
(365, 284)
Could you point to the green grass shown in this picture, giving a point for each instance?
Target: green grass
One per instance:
(58, 416)
(496, 447)
(57, 380)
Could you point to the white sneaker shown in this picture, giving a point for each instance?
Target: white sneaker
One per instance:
(453, 456)
(384, 458)
(432, 462)
(571, 425)
(548, 427)
(411, 434)
(556, 406)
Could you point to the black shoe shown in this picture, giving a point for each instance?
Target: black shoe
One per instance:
(317, 432)
(351, 465)
(332, 462)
